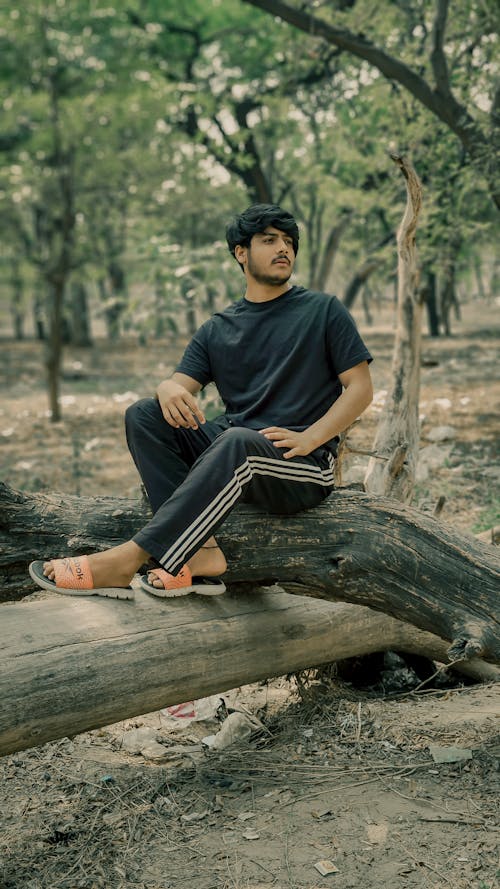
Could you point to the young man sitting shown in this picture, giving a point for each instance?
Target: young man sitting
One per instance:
(292, 372)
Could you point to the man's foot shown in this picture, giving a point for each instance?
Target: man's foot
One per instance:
(209, 561)
(112, 569)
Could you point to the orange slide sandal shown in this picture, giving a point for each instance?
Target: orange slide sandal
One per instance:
(73, 577)
(182, 584)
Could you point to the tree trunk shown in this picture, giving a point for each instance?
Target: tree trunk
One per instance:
(116, 301)
(359, 278)
(70, 665)
(398, 432)
(448, 294)
(366, 299)
(495, 279)
(38, 317)
(17, 301)
(353, 547)
(428, 294)
(160, 305)
(329, 252)
(80, 319)
(188, 293)
(211, 299)
(54, 346)
(478, 271)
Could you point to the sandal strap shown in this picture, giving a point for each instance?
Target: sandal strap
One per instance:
(171, 582)
(73, 573)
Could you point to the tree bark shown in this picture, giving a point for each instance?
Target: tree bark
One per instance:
(70, 665)
(398, 431)
(354, 547)
(80, 319)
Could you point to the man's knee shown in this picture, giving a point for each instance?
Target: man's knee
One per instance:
(239, 437)
(142, 414)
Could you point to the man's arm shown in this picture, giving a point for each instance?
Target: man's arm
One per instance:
(177, 402)
(357, 395)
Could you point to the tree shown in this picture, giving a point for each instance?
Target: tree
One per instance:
(257, 117)
(64, 81)
(471, 37)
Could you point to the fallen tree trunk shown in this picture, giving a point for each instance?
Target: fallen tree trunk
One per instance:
(354, 547)
(70, 665)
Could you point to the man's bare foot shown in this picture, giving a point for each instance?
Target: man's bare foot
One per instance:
(112, 568)
(209, 561)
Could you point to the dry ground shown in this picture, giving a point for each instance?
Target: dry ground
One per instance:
(341, 774)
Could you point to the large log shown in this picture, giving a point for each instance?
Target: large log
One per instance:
(69, 665)
(354, 547)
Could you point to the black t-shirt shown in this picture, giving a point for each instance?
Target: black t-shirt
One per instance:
(276, 363)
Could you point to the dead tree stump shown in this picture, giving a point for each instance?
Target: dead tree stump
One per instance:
(398, 432)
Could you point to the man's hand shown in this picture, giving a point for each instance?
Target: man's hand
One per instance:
(300, 444)
(179, 406)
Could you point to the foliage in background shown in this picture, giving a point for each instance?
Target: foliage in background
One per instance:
(132, 132)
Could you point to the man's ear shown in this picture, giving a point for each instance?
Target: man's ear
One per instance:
(240, 253)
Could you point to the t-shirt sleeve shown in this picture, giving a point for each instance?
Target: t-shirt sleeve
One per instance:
(345, 346)
(196, 359)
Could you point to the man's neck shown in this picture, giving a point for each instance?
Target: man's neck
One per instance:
(264, 293)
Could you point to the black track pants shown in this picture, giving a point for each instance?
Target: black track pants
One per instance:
(195, 477)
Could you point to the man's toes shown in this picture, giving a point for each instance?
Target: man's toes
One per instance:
(155, 581)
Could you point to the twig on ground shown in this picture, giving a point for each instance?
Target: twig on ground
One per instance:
(422, 863)
(358, 729)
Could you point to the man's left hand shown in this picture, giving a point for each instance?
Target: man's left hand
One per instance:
(299, 444)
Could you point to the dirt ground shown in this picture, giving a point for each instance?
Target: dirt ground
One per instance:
(340, 775)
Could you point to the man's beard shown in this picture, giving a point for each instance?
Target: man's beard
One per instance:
(276, 280)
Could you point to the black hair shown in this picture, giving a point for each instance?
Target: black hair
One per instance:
(255, 219)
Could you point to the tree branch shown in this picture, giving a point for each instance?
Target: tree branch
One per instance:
(438, 58)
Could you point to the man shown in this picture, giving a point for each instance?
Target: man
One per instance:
(292, 372)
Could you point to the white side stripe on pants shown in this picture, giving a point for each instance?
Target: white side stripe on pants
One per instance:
(224, 500)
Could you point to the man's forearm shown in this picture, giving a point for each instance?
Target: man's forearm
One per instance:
(343, 412)
(192, 386)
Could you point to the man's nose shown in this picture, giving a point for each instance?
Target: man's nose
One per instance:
(283, 247)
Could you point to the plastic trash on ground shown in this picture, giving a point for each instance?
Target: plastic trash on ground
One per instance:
(192, 711)
(237, 727)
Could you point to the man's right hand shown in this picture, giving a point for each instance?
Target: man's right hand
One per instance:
(179, 406)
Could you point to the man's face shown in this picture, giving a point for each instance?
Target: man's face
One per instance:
(270, 258)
